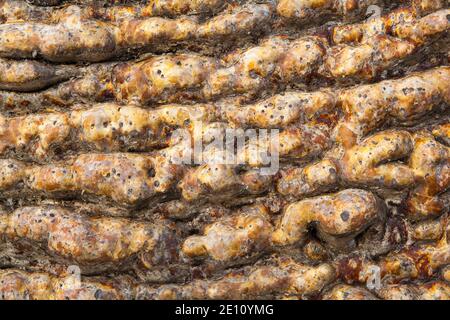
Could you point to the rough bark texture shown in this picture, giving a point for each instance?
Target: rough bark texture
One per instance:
(101, 100)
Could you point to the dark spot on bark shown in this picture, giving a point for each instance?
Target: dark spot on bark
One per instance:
(151, 172)
(345, 215)
(98, 294)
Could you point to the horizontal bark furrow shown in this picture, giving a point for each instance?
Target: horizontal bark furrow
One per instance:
(112, 127)
(273, 64)
(77, 37)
